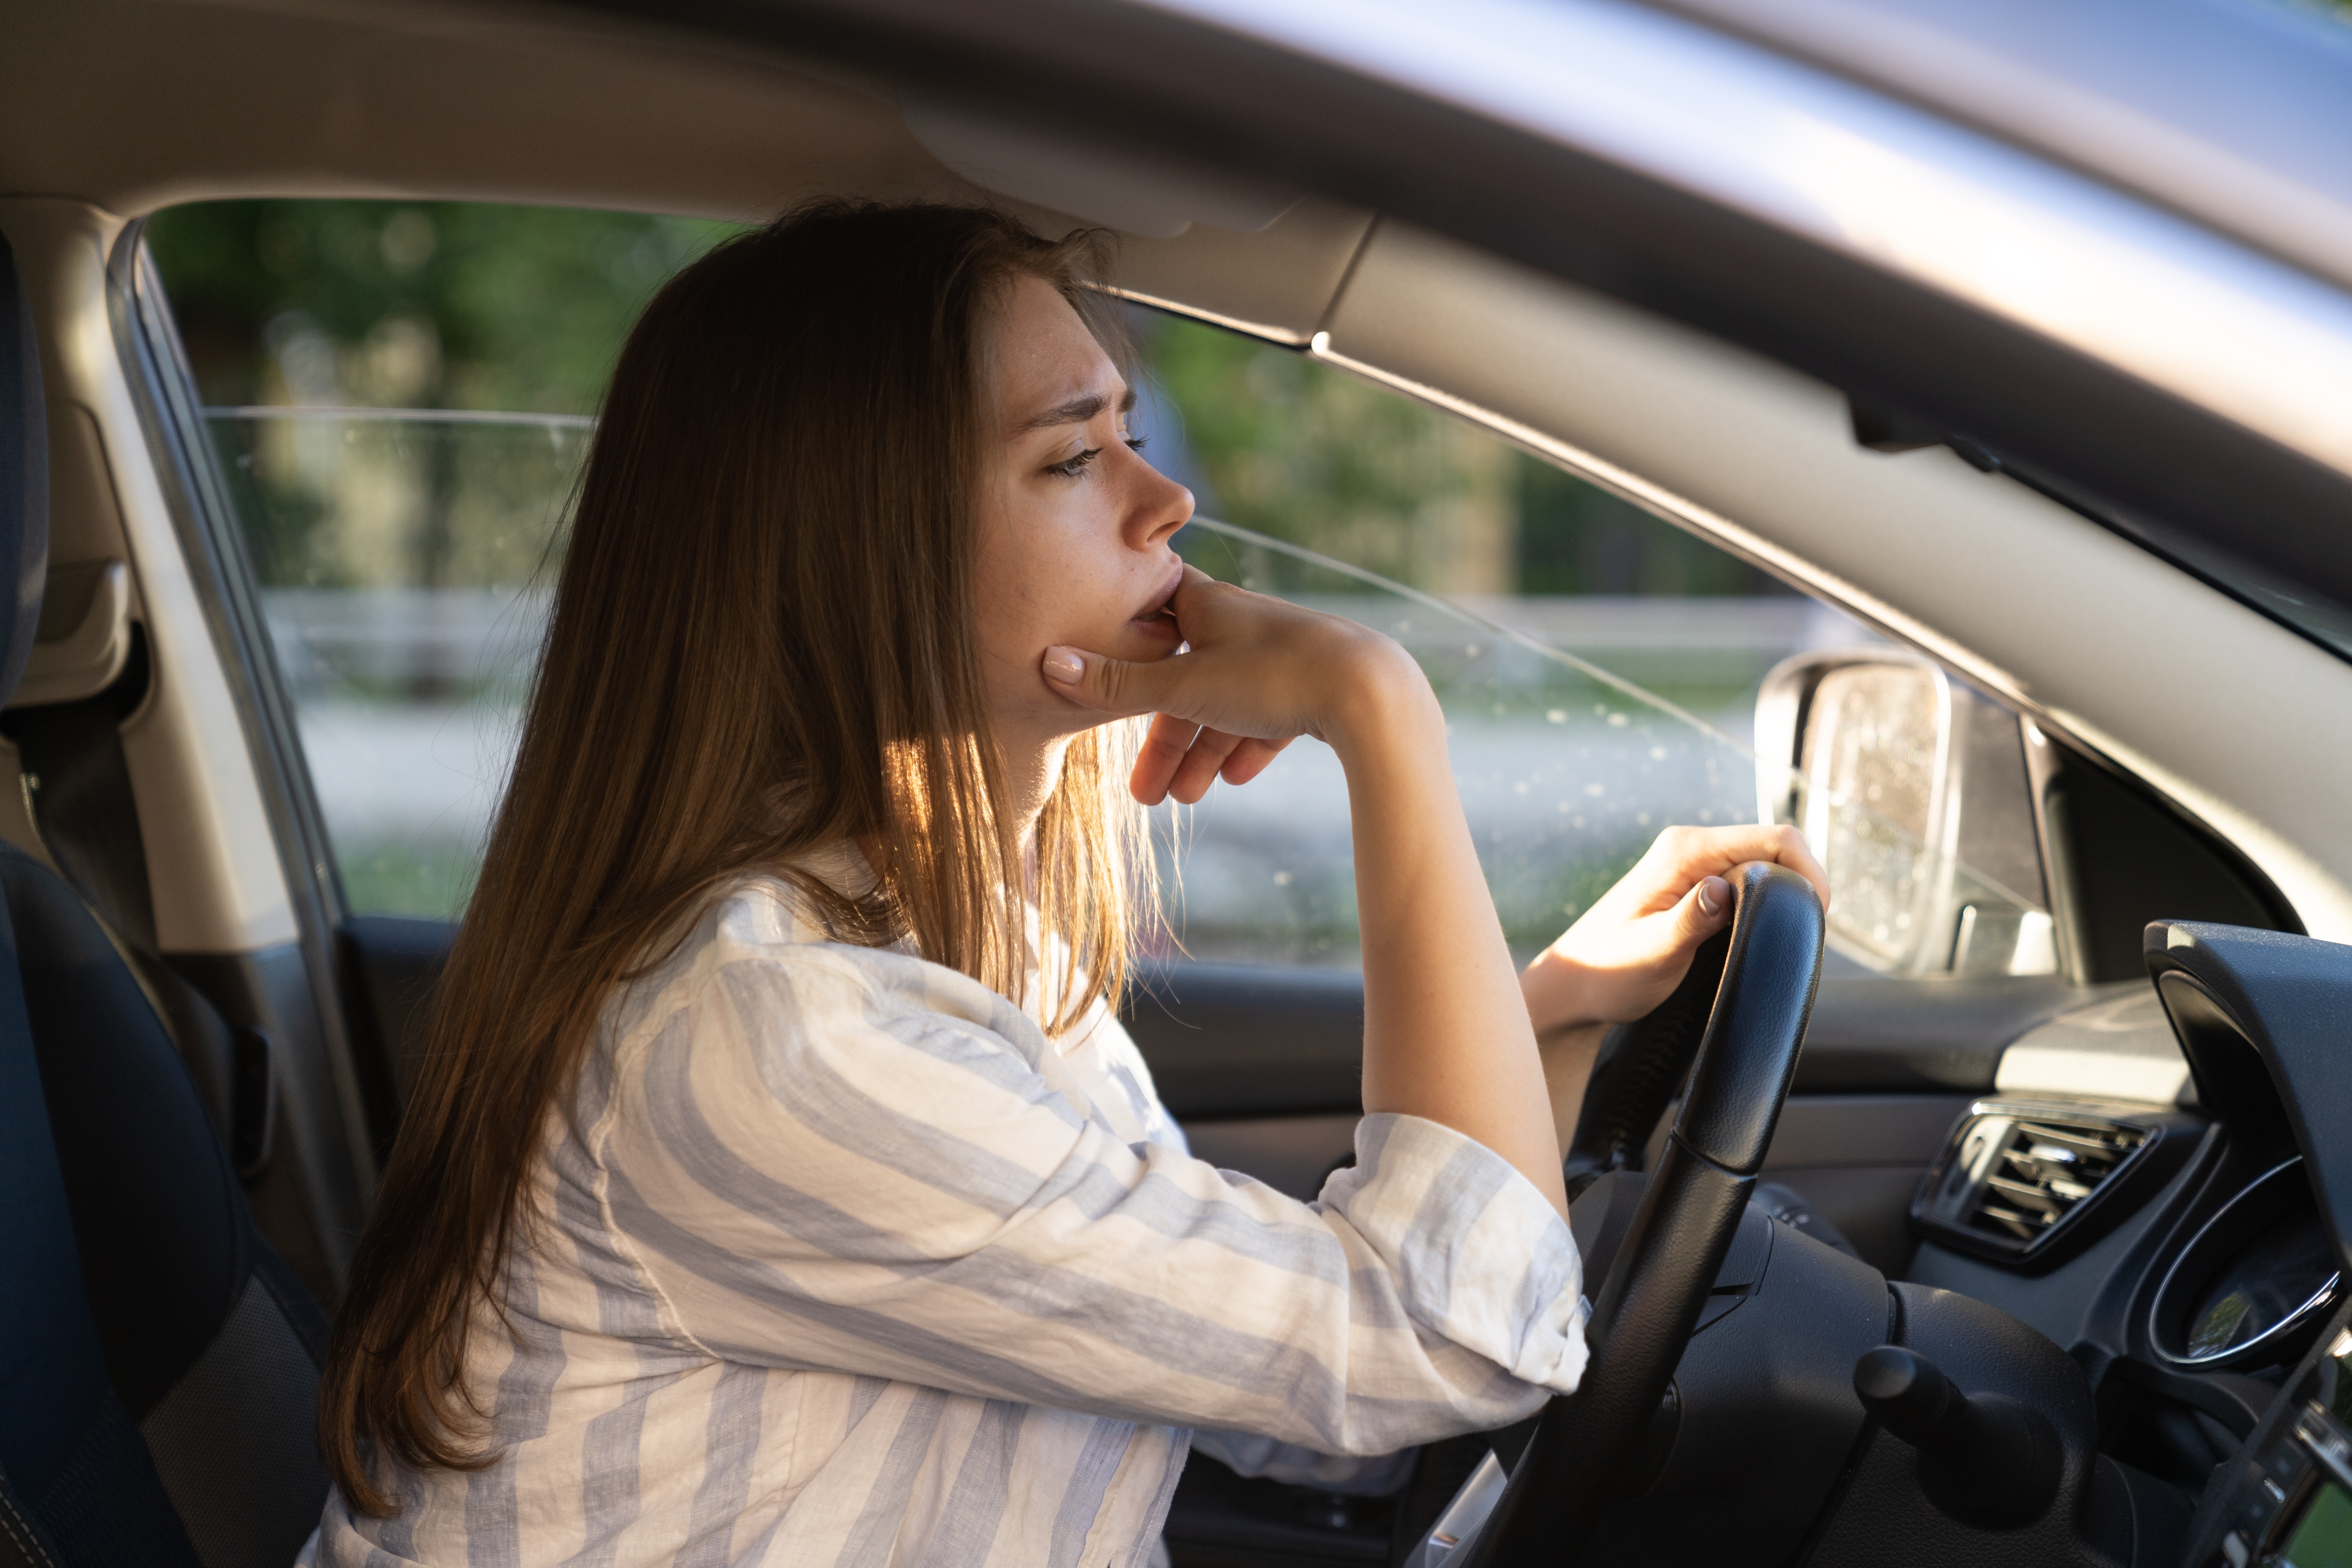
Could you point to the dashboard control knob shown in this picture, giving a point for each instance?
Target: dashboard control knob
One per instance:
(1984, 1459)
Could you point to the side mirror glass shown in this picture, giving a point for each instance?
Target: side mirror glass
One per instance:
(1913, 790)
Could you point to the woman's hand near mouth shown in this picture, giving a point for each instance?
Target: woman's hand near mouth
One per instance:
(1257, 673)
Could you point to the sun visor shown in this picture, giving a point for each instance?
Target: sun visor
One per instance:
(1147, 196)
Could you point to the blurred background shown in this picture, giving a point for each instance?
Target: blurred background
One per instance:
(401, 395)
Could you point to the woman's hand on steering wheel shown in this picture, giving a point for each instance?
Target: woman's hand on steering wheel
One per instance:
(1627, 954)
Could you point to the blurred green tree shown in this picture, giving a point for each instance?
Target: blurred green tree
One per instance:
(436, 305)
(1279, 442)
(412, 304)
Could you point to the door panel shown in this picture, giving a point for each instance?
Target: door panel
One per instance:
(1291, 1154)
(390, 965)
(1229, 1040)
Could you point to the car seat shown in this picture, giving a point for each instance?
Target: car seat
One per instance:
(159, 1362)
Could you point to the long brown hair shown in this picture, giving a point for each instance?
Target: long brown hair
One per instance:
(762, 642)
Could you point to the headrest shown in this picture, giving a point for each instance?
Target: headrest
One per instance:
(24, 477)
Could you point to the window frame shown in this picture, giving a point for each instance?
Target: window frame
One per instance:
(163, 390)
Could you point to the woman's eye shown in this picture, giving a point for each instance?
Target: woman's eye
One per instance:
(1075, 466)
(1137, 443)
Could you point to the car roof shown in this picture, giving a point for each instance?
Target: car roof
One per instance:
(2235, 112)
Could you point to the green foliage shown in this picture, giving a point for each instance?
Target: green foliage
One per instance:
(412, 304)
(429, 879)
(1576, 538)
(362, 504)
(1308, 453)
(1296, 449)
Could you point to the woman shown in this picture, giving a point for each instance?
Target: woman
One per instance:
(778, 1186)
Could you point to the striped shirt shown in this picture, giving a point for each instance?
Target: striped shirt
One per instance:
(841, 1261)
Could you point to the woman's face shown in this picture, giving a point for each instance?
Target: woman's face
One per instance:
(1075, 526)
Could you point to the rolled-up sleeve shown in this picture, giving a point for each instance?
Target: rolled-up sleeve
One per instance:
(865, 1164)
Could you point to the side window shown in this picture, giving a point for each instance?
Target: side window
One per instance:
(400, 396)
(1600, 671)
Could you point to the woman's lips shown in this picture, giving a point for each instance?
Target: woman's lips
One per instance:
(1159, 625)
(1162, 601)
(1159, 621)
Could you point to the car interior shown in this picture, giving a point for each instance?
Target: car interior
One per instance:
(2045, 1262)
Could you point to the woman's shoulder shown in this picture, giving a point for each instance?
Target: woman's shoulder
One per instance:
(763, 943)
(758, 918)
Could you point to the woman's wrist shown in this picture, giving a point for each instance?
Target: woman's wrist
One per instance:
(1381, 699)
(1556, 991)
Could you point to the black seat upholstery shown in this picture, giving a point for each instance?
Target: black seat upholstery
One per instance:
(158, 1362)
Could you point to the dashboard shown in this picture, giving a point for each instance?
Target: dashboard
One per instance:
(2156, 1186)
(2129, 1254)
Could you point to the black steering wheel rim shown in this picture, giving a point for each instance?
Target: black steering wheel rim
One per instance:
(1647, 1306)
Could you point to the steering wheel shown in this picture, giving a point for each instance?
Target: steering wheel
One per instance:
(1646, 1308)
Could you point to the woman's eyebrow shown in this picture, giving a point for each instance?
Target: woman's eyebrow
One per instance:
(1076, 411)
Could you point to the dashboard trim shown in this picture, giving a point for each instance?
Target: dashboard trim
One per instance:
(2225, 1221)
(2156, 1159)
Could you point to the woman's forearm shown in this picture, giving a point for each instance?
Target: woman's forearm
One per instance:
(1447, 1033)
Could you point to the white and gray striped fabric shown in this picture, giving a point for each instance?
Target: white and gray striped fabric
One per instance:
(841, 1262)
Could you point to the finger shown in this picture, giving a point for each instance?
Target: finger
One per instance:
(1704, 911)
(1188, 592)
(1201, 763)
(1798, 856)
(1110, 685)
(1250, 759)
(1157, 759)
(1695, 852)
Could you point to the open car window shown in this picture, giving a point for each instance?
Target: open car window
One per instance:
(402, 397)
(1603, 672)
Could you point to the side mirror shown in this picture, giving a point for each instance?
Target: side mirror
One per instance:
(1914, 791)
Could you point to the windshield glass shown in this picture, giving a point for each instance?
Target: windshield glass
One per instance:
(1567, 772)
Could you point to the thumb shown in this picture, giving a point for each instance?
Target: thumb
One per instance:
(1106, 685)
(1704, 910)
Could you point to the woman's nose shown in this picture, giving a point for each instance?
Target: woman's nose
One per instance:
(1161, 506)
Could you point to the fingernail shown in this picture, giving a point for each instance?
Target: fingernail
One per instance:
(1709, 902)
(1063, 664)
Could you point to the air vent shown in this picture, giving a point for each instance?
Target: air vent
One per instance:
(2013, 1175)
